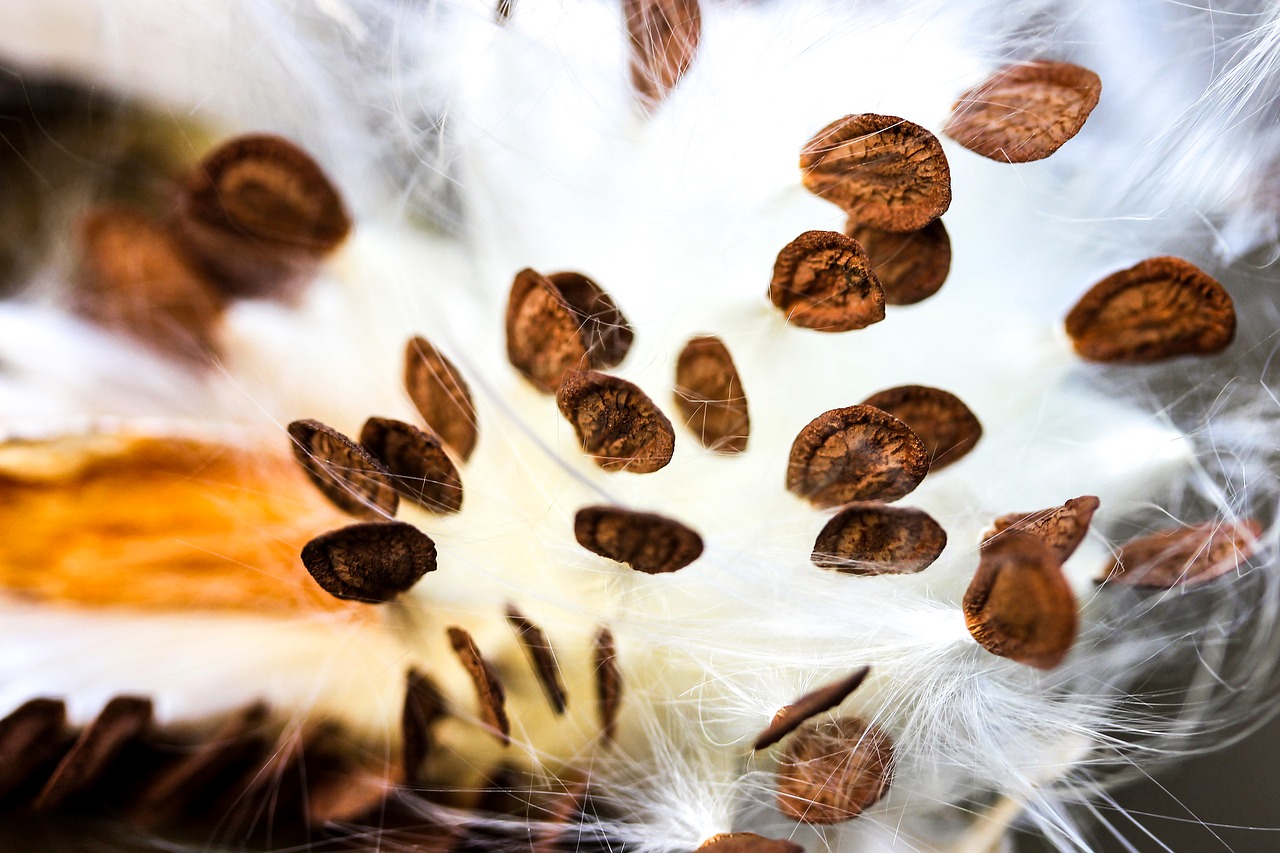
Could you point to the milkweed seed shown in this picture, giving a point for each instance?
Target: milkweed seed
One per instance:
(27, 738)
(121, 721)
(911, 266)
(608, 683)
(420, 468)
(709, 395)
(870, 538)
(747, 842)
(371, 562)
(344, 472)
(645, 541)
(664, 36)
(424, 704)
(489, 692)
(616, 423)
(822, 280)
(791, 717)
(441, 396)
(1187, 556)
(941, 419)
(1061, 528)
(832, 771)
(542, 658)
(858, 453)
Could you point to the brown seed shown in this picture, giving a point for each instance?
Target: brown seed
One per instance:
(1062, 528)
(1156, 309)
(420, 468)
(542, 657)
(831, 771)
(941, 419)
(616, 423)
(645, 541)
(424, 704)
(608, 683)
(29, 737)
(1024, 112)
(857, 453)
(664, 37)
(870, 538)
(709, 395)
(122, 720)
(746, 842)
(372, 562)
(1019, 604)
(884, 171)
(912, 265)
(822, 280)
(489, 690)
(562, 820)
(441, 396)
(343, 471)
(1186, 556)
(792, 716)
(502, 12)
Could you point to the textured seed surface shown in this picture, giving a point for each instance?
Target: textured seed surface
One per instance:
(1187, 556)
(616, 423)
(858, 453)
(347, 474)
(911, 265)
(542, 657)
(664, 36)
(941, 419)
(830, 772)
(747, 842)
(1019, 604)
(645, 541)
(122, 720)
(371, 562)
(28, 738)
(1157, 309)
(709, 395)
(608, 683)
(1062, 528)
(420, 468)
(822, 280)
(884, 171)
(1026, 111)
(441, 396)
(792, 716)
(424, 705)
(603, 328)
(869, 538)
(489, 692)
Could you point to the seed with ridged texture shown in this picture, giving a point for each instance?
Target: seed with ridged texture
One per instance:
(709, 395)
(911, 266)
(869, 538)
(424, 704)
(747, 842)
(832, 771)
(858, 453)
(941, 419)
(664, 36)
(371, 562)
(608, 682)
(1062, 528)
(645, 541)
(616, 423)
(822, 280)
(1187, 556)
(791, 717)
(441, 396)
(344, 472)
(121, 721)
(542, 657)
(420, 468)
(489, 692)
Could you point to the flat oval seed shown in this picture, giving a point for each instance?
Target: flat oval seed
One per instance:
(884, 171)
(791, 717)
(608, 682)
(420, 468)
(122, 720)
(858, 453)
(1019, 604)
(1062, 528)
(1187, 556)
(441, 396)
(371, 562)
(616, 423)
(1024, 112)
(424, 705)
(941, 419)
(709, 395)
(911, 266)
(542, 658)
(29, 737)
(645, 541)
(870, 538)
(664, 36)
(343, 471)
(747, 842)
(489, 692)
(822, 280)
(832, 771)
(604, 330)
(1157, 309)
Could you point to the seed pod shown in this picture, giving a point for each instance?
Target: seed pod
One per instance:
(371, 562)
(857, 453)
(344, 472)
(441, 396)
(645, 541)
(939, 418)
(869, 538)
(709, 395)
(832, 771)
(822, 280)
(664, 36)
(1187, 556)
(791, 717)
(911, 266)
(1062, 528)
(616, 423)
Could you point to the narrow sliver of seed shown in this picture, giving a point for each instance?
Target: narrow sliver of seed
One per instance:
(344, 472)
(1186, 556)
(441, 396)
(792, 716)
(424, 705)
(608, 683)
(1062, 528)
(371, 562)
(489, 692)
(870, 538)
(542, 657)
(857, 453)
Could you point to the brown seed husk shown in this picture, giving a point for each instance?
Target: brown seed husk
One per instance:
(616, 423)
(1187, 556)
(1019, 604)
(884, 171)
(645, 541)
(542, 657)
(709, 395)
(29, 737)
(441, 396)
(489, 692)
(858, 453)
(344, 472)
(564, 818)
(608, 683)
(664, 36)
(941, 419)
(1024, 112)
(822, 280)
(911, 266)
(869, 538)
(1062, 528)
(747, 842)
(121, 721)
(792, 716)
(832, 771)
(418, 464)
(424, 705)
(1157, 309)
(371, 562)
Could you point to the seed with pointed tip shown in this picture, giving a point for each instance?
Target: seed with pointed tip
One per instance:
(911, 266)
(869, 538)
(709, 395)
(608, 682)
(371, 562)
(858, 453)
(1062, 528)
(423, 705)
(542, 657)
(747, 842)
(791, 717)
(28, 739)
(616, 423)
(420, 468)
(441, 396)
(1187, 556)
(121, 721)
(489, 692)
(664, 36)
(832, 771)
(941, 419)
(344, 472)
(822, 280)
(645, 541)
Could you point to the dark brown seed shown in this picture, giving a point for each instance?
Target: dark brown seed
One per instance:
(608, 683)
(420, 468)
(857, 453)
(645, 541)
(1160, 308)
(441, 396)
(1024, 112)
(709, 395)
(121, 721)
(1062, 527)
(542, 657)
(747, 842)
(1187, 556)
(489, 692)
(371, 562)
(664, 37)
(884, 171)
(1019, 604)
(502, 13)
(941, 419)
(343, 471)
(822, 280)
(616, 423)
(352, 792)
(791, 717)
(562, 821)
(423, 705)
(831, 771)
(870, 538)
(29, 737)
(912, 265)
